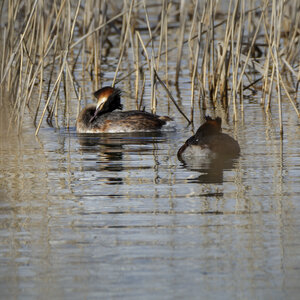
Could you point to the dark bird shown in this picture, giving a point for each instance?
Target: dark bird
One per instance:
(209, 141)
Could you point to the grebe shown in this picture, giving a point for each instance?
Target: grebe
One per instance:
(209, 141)
(102, 117)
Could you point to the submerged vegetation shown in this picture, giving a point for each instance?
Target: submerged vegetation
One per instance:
(50, 49)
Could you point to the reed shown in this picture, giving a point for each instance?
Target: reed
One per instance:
(43, 45)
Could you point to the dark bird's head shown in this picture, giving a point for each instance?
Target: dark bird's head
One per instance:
(210, 127)
(108, 99)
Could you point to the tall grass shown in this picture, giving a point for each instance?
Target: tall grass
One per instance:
(232, 48)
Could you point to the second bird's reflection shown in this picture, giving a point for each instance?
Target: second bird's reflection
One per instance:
(210, 171)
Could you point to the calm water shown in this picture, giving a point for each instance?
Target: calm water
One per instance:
(115, 216)
(119, 217)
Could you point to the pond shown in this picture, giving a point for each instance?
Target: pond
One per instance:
(118, 216)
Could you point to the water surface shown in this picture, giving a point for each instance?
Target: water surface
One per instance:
(118, 216)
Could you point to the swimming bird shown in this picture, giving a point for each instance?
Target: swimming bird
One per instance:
(209, 141)
(107, 116)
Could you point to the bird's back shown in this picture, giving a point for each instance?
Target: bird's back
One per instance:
(127, 121)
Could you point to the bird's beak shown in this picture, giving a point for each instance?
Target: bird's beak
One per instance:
(100, 104)
(99, 107)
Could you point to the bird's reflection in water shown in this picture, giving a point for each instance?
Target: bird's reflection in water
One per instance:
(211, 169)
(110, 150)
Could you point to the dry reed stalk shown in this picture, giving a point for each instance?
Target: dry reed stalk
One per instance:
(183, 13)
(162, 32)
(278, 77)
(132, 42)
(125, 20)
(68, 33)
(250, 17)
(96, 47)
(105, 24)
(289, 67)
(38, 69)
(199, 38)
(269, 37)
(140, 70)
(56, 100)
(144, 49)
(79, 101)
(67, 100)
(28, 91)
(12, 56)
(149, 66)
(289, 97)
(242, 97)
(234, 58)
(194, 73)
(103, 35)
(239, 46)
(83, 59)
(3, 39)
(277, 14)
(152, 63)
(66, 90)
(238, 50)
(124, 43)
(153, 81)
(36, 54)
(221, 80)
(205, 58)
(267, 86)
(166, 43)
(278, 90)
(204, 66)
(52, 91)
(142, 91)
(34, 48)
(265, 80)
(212, 82)
(298, 80)
(41, 73)
(18, 102)
(270, 89)
(40, 63)
(191, 43)
(137, 67)
(251, 46)
(191, 34)
(170, 50)
(171, 97)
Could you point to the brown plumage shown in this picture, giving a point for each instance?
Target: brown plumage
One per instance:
(103, 117)
(209, 139)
